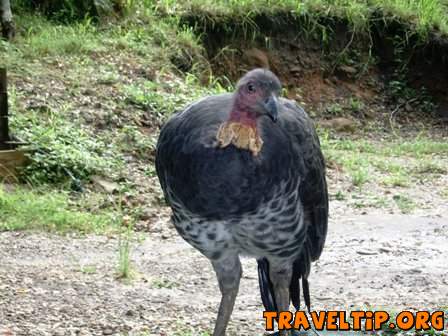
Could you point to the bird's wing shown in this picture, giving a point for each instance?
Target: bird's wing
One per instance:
(313, 186)
(313, 194)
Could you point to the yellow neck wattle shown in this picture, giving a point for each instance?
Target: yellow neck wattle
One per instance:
(240, 135)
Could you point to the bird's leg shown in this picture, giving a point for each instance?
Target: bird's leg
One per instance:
(280, 276)
(228, 271)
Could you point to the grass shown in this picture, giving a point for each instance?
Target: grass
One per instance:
(444, 193)
(385, 172)
(414, 148)
(125, 270)
(430, 168)
(62, 148)
(164, 283)
(404, 203)
(166, 96)
(48, 210)
(359, 176)
(370, 201)
(422, 16)
(89, 269)
(339, 196)
(50, 39)
(396, 163)
(396, 180)
(181, 328)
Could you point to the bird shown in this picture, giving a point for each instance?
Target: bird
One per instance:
(244, 175)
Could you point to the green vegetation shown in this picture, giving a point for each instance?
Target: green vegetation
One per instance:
(164, 283)
(182, 328)
(88, 269)
(45, 38)
(444, 193)
(124, 264)
(335, 109)
(339, 196)
(422, 16)
(166, 98)
(125, 270)
(405, 204)
(64, 148)
(50, 211)
(385, 166)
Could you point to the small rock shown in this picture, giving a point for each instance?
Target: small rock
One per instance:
(296, 70)
(105, 8)
(256, 58)
(146, 214)
(366, 252)
(9, 188)
(108, 186)
(89, 92)
(58, 332)
(339, 124)
(349, 70)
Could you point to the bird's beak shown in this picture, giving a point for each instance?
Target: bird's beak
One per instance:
(271, 106)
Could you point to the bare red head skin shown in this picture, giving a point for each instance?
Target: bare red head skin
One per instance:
(256, 96)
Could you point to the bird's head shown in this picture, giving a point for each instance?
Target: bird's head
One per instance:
(257, 94)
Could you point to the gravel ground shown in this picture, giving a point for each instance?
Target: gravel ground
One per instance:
(67, 285)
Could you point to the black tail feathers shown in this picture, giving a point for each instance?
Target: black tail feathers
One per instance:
(301, 269)
(306, 294)
(266, 288)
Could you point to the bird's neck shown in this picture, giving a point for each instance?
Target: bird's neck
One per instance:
(241, 113)
(240, 130)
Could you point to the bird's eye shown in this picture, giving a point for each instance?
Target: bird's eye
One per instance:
(251, 88)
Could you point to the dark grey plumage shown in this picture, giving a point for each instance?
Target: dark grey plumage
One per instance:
(227, 202)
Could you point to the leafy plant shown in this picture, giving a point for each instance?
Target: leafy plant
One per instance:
(404, 203)
(355, 105)
(62, 149)
(335, 109)
(359, 176)
(340, 196)
(124, 270)
(165, 97)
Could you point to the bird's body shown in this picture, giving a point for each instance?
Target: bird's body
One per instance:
(240, 184)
